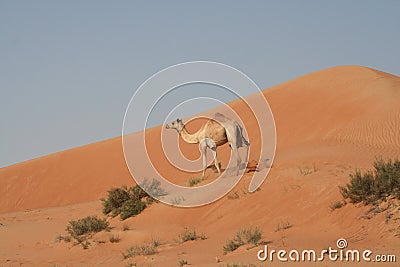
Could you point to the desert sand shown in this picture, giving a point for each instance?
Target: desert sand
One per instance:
(330, 123)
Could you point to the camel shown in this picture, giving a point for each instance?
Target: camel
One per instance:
(212, 134)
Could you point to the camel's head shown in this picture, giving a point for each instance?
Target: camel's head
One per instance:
(177, 125)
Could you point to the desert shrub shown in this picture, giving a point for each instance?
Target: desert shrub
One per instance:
(137, 193)
(232, 245)
(381, 182)
(244, 236)
(360, 187)
(126, 202)
(116, 197)
(251, 236)
(306, 170)
(85, 244)
(183, 263)
(90, 224)
(195, 180)
(234, 195)
(283, 226)
(145, 249)
(189, 235)
(156, 242)
(131, 208)
(115, 238)
(387, 176)
(337, 205)
(60, 238)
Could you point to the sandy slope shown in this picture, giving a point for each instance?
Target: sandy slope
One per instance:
(337, 120)
(73, 176)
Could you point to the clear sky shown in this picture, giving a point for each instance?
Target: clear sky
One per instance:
(69, 68)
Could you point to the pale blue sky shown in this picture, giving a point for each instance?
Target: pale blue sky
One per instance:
(69, 68)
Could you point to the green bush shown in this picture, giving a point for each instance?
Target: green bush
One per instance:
(137, 193)
(90, 224)
(116, 197)
(131, 208)
(126, 202)
(381, 182)
(251, 236)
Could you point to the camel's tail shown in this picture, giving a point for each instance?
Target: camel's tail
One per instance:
(241, 140)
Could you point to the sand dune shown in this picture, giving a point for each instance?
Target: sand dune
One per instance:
(331, 122)
(73, 176)
(343, 104)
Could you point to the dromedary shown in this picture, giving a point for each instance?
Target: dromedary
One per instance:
(212, 134)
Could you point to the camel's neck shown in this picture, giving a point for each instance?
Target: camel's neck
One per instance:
(187, 137)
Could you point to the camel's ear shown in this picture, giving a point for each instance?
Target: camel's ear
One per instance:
(178, 120)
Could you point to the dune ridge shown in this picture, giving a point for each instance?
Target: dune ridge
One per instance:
(329, 123)
(350, 105)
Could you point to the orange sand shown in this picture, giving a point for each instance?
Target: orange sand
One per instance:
(337, 120)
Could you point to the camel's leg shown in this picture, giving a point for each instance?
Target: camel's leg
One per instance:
(236, 153)
(216, 163)
(211, 144)
(247, 155)
(203, 150)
